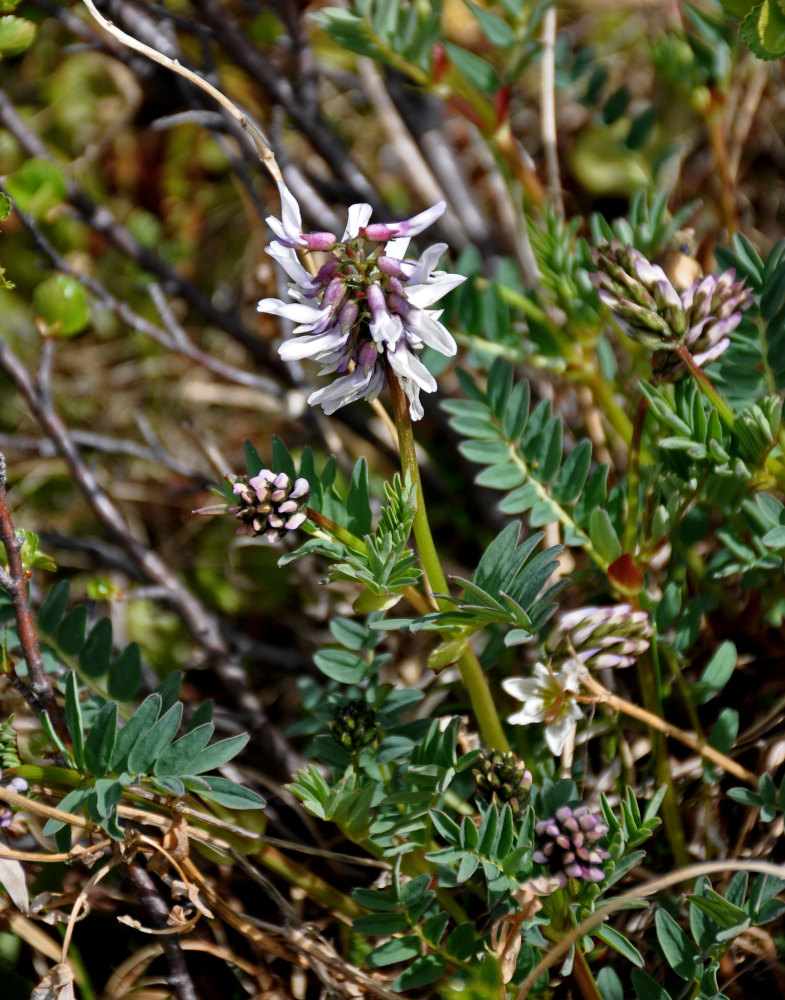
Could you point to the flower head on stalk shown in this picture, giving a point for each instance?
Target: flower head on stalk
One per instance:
(501, 777)
(600, 636)
(567, 844)
(365, 307)
(548, 696)
(268, 503)
(649, 309)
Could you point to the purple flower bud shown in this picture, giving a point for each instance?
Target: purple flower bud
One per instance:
(318, 241)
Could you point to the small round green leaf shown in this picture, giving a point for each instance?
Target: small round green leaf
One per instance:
(60, 301)
(16, 35)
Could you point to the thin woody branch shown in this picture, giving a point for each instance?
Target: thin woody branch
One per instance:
(15, 582)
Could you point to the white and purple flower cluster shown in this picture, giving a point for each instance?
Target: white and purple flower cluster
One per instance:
(598, 637)
(649, 309)
(367, 310)
(268, 503)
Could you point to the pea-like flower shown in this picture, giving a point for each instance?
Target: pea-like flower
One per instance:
(612, 636)
(649, 309)
(365, 307)
(548, 697)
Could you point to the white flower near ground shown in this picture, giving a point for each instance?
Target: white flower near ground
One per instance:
(547, 697)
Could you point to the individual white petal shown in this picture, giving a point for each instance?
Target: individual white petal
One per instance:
(386, 330)
(397, 247)
(415, 225)
(412, 391)
(290, 262)
(522, 688)
(312, 347)
(426, 294)
(297, 312)
(426, 262)
(532, 711)
(290, 211)
(348, 388)
(557, 733)
(405, 364)
(359, 216)
(713, 352)
(425, 325)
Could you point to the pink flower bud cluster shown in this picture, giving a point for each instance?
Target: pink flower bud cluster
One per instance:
(567, 844)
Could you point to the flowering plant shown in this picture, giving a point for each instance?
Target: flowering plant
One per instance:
(366, 310)
(446, 727)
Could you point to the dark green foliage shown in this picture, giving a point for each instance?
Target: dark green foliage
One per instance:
(144, 750)
(524, 455)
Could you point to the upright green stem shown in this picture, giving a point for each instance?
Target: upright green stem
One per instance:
(606, 398)
(474, 680)
(705, 385)
(650, 678)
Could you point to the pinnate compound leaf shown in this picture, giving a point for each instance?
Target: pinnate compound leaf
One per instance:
(375, 899)
(380, 924)
(461, 942)
(180, 757)
(253, 460)
(424, 970)
(73, 719)
(401, 949)
(72, 802)
(716, 674)
(413, 892)
(218, 754)
(106, 793)
(125, 674)
(680, 953)
(619, 943)
(70, 636)
(341, 665)
(646, 988)
(52, 610)
(282, 460)
(609, 984)
(169, 689)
